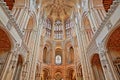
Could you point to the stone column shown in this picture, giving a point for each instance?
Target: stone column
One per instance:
(82, 52)
(12, 67)
(35, 51)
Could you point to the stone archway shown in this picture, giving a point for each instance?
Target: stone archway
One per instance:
(58, 56)
(5, 47)
(113, 47)
(45, 55)
(97, 68)
(71, 55)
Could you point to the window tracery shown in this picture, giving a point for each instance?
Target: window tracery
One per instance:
(48, 27)
(58, 31)
(68, 28)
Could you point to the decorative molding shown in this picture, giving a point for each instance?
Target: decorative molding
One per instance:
(109, 25)
(12, 23)
(105, 21)
(9, 25)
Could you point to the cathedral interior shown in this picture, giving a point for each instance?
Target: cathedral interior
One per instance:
(59, 39)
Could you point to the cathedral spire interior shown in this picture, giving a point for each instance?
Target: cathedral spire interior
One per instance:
(59, 40)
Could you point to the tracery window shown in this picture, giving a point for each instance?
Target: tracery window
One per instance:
(68, 28)
(48, 27)
(58, 32)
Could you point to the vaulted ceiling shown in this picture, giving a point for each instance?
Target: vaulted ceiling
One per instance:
(58, 9)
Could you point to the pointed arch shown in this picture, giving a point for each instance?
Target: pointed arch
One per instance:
(58, 56)
(6, 45)
(71, 55)
(97, 67)
(47, 52)
(113, 48)
(45, 55)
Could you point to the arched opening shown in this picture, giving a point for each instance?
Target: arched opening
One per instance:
(45, 55)
(97, 68)
(71, 74)
(113, 46)
(46, 75)
(5, 47)
(18, 68)
(10, 3)
(71, 55)
(107, 4)
(58, 57)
